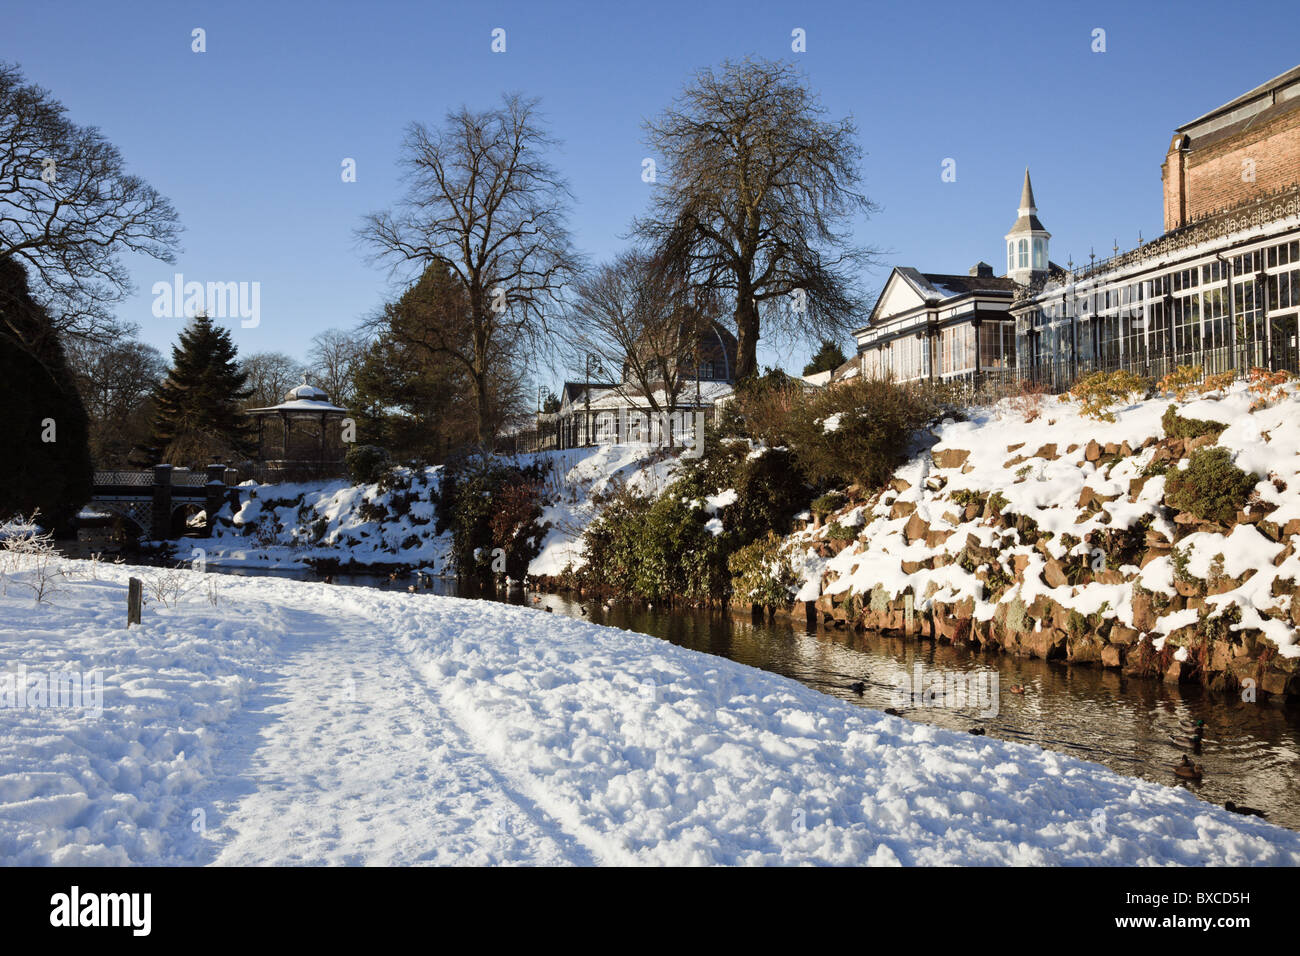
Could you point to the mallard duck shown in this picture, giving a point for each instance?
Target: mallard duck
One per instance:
(1017, 688)
(892, 712)
(1188, 770)
(550, 611)
(329, 579)
(977, 731)
(858, 687)
(1244, 811)
(410, 589)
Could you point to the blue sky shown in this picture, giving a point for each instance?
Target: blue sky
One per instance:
(247, 138)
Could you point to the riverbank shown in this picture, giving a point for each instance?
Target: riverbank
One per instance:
(1055, 535)
(306, 723)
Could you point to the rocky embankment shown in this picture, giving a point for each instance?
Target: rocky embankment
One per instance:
(1038, 531)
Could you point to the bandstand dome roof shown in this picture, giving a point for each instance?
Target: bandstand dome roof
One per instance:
(305, 391)
(303, 398)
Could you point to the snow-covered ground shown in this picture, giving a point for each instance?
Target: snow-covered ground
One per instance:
(254, 720)
(289, 525)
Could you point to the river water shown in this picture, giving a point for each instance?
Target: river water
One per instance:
(1250, 753)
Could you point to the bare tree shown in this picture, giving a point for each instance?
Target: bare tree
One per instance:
(644, 321)
(270, 376)
(483, 205)
(69, 210)
(333, 360)
(756, 191)
(116, 381)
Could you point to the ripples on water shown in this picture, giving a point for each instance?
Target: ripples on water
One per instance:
(1250, 752)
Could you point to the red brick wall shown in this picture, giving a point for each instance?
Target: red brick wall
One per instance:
(1201, 181)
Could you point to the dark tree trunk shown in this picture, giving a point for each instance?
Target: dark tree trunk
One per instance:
(746, 338)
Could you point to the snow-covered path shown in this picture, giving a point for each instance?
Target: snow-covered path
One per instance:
(345, 758)
(295, 722)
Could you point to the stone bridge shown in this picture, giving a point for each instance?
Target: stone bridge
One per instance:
(158, 502)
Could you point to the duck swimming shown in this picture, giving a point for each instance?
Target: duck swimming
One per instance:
(1017, 688)
(1244, 811)
(1187, 770)
(858, 688)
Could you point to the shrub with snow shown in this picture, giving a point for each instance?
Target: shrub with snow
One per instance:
(1211, 487)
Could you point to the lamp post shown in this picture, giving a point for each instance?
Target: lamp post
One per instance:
(537, 441)
(593, 364)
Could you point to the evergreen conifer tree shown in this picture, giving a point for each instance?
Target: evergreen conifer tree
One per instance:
(47, 466)
(199, 416)
(827, 359)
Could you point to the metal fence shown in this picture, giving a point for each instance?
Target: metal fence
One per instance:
(1061, 376)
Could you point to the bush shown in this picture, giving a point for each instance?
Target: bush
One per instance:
(764, 408)
(1101, 391)
(761, 573)
(876, 422)
(837, 532)
(1176, 426)
(656, 549)
(829, 503)
(366, 464)
(475, 491)
(1182, 381)
(612, 543)
(770, 488)
(516, 525)
(1190, 380)
(1027, 401)
(1267, 387)
(1211, 487)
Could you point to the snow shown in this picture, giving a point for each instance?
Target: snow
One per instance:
(583, 476)
(270, 533)
(303, 405)
(1003, 457)
(715, 503)
(272, 721)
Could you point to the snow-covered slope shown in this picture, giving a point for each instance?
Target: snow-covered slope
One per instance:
(293, 722)
(292, 525)
(1017, 522)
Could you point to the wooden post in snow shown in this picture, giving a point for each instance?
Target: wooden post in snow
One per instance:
(134, 601)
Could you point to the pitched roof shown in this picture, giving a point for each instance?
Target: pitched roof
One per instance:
(936, 287)
(1291, 76)
(950, 286)
(1028, 220)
